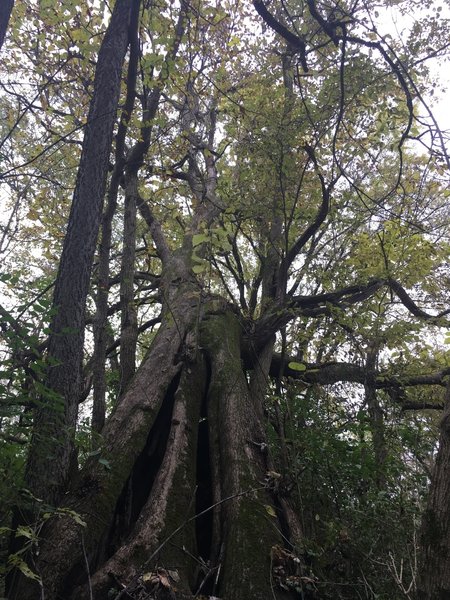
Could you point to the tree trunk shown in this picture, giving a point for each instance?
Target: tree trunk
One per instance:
(141, 542)
(51, 451)
(129, 325)
(434, 573)
(238, 453)
(100, 323)
(376, 417)
(101, 314)
(184, 439)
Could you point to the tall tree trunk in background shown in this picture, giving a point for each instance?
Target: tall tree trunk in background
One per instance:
(100, 321)
(101, 313)
(6, 7)
(376, 418)
(135, 160)
(434, 572)
(129, 327)
(51, 450)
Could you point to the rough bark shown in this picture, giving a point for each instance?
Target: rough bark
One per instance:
(51, 450)
(247, 533)
(129, 326)
(163, 468)
(292, 528)
(100, 321)
(434, 573)
(96, 490)
(170, 505)
(376, 417)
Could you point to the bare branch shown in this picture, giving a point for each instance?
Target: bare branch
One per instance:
(320, 217)
(335, 372)
(411, 305)
(295, 42)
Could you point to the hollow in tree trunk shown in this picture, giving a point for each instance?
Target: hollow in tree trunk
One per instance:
(181, 492)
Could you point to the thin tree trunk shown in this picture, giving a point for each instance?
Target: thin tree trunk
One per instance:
(100, 322)
(434, 572)
(376, 417)
(135, 159)
(51, 451)
(129, 328)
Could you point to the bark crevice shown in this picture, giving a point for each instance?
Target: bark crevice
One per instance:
(137, 488)
(204, 495)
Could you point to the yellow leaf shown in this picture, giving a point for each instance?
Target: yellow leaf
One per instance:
(32, 215)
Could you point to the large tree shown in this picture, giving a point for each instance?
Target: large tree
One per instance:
(274, 225)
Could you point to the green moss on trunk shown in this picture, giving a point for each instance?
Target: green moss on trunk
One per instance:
(249, 527)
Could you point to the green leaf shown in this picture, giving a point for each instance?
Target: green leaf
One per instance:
(296, 366)
(94, 452)
(199, 268)
(73, 515)
(199, 238)
(26, 532)
(32, 215)
(105, 463)
(20, 564)
(5, 530)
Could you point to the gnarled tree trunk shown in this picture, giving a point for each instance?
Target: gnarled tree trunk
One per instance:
(182, 484)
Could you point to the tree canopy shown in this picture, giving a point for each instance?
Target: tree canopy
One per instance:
(224, 299)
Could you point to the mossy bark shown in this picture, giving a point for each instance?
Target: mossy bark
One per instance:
(94, 493)
(156, 448)
(170, 506)
(248, 526)
(434, 573)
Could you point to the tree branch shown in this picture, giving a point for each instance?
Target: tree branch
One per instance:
(320, 217)
(293, 40)
(353, 294)
(259, 332)
(409, 303)
(154, 227)
(334, 372)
